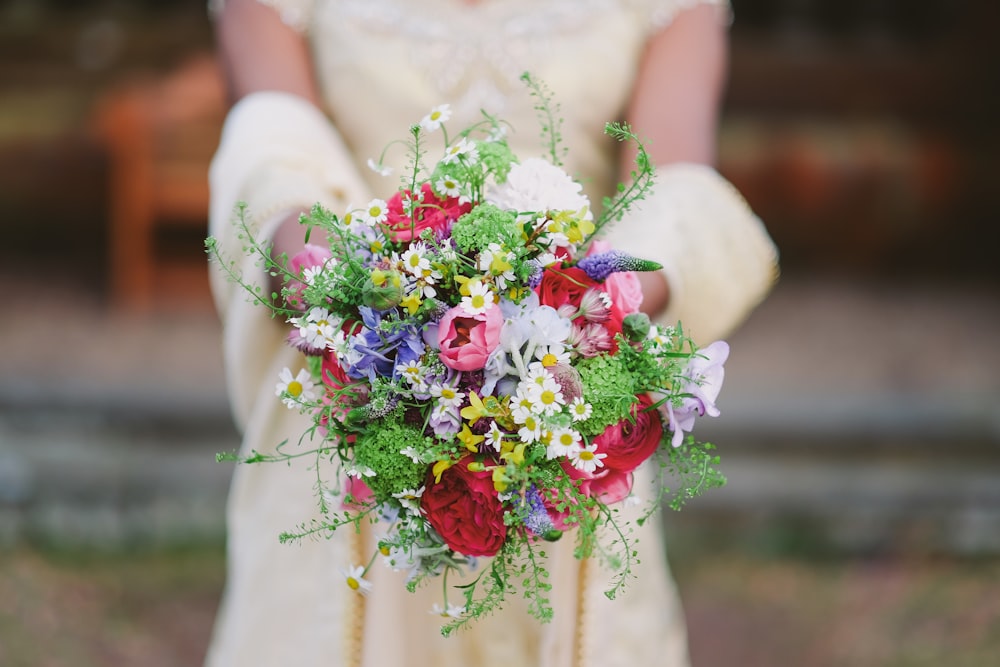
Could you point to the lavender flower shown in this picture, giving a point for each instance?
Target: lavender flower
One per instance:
(601, 265)
(538, 520)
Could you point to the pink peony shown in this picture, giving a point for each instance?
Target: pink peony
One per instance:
(467, 340)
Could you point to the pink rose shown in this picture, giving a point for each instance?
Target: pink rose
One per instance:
(631, 441)
(432, 213)
(464, 509)
(566, 286)
(310, 257)
(607, 485)
(467, 340)
(623, 287)
(358, 496)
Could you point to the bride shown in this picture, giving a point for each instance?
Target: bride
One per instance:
(321, 86)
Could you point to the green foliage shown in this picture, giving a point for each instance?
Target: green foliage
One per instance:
(483, 225)
(610, 388)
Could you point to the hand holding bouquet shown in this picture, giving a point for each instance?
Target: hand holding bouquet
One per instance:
(477, 366)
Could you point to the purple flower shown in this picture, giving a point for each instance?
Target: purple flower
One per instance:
(601, 265)
(538, 520)
(702, 383)
(375, 349)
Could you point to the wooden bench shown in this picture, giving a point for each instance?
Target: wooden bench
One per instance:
(160, 135)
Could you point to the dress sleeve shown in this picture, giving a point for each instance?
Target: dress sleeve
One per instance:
(716, 254)
(278, 154)
(295, 13)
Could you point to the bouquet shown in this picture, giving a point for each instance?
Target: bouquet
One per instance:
(477, 368)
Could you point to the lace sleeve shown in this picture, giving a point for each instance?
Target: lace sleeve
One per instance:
(295, 13)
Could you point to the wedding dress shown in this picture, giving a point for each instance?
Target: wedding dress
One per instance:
(382, 65)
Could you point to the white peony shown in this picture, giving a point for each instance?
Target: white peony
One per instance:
(538, 185)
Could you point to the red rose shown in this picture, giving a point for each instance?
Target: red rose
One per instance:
(432, 213)
(561, 286)
(629, 443)
(464, 509)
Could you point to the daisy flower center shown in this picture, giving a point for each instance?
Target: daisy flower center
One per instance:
(294, 388)
(586, 455)
(548, 397)
(549, 360)
(353, 583)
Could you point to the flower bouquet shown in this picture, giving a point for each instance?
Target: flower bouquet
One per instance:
(477, 368)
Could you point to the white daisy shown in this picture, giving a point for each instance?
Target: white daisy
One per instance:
(410, 498)
(479, 300)
(580, 409)
(448, 187)
(295, 390)
(450, 610)
(414, 260)
(447, 396)
(318, 327)
(355, 579)
(463, 148)
(587, 459)
(531, 429)
(564, 442)
(494, 437)
(438, 115)
(374, 213)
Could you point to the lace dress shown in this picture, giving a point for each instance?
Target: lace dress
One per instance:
(382, 65)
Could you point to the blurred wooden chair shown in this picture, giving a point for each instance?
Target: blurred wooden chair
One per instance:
(160, 135)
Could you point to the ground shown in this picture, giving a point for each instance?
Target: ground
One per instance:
(67, 609)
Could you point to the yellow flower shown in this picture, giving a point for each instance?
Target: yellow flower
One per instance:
(500, 479)
(470, 439)
(513, 453)
(439, 468)
(500, 265)
(474, 411)
(411, 302)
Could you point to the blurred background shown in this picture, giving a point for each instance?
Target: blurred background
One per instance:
(861, 428)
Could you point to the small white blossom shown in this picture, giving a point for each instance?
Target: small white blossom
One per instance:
(438, 115)
(379, 168)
